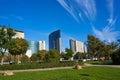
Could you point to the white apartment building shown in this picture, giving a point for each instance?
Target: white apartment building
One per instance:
(19, 34)
(42, 45)
(76, 46)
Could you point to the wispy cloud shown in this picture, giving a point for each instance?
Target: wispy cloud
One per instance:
(80, 8)
(20, 18)
(17, 17)
(88, 7)
(108, 33)
(69, 8)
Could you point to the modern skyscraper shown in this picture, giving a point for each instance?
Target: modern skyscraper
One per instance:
(41, 45)
(76, 46)
(55, 41)
(33, 46)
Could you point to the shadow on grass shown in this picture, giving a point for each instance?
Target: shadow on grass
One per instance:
(84, 74)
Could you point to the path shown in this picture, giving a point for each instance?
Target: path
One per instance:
(56, 68)
(116, 66)
(43, 69)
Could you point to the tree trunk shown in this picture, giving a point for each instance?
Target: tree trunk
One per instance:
(18, 59)
(2, 60)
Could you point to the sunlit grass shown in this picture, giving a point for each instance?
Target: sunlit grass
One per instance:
(87, 73)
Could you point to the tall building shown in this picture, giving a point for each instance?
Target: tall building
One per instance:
(33, 46)
(76, 46)
(41, 45)
(55, 41)
(19, 34)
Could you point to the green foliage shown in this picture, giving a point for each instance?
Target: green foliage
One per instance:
(52, 56)
(34, 57)
(116, 57)
(69, 54)
(94, 46)
(79, 55)
(41, 55)
(6, 35)
(34, 65)
(25, 59)
(19, 46)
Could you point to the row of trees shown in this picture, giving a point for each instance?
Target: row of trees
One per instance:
(51, 56)
(98, 48)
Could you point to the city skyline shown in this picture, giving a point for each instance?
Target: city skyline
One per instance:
(75, 18)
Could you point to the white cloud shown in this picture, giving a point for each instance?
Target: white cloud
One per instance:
(88, 7)
(17, 17)
(108, 33)
(69, 8)
(80, 8)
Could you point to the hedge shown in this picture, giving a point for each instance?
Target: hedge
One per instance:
(37, 65)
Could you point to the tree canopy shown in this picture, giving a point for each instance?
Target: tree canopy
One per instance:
(6, 35)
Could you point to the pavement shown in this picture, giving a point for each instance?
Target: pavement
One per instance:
(43, 69)
(115, 66)
(56, 68)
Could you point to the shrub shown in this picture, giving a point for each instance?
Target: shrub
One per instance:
(116, 57)
(37, 65)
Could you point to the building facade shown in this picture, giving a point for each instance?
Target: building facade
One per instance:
(33, 46)
(42, 45)
(76, 46)
(55, 41)
(19, 34)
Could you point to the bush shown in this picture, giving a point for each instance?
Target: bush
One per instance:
(116, 57)
(37, 65)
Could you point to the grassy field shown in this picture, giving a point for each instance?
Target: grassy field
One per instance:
(87, 73)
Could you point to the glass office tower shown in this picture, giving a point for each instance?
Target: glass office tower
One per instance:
(55, 41)
(33, 46)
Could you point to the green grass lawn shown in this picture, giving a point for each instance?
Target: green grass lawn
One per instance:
(87, 73)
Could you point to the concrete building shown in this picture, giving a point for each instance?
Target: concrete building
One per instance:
(55, 41)
(19, 34)
(33, 46)
(76, 46)
(42, 45)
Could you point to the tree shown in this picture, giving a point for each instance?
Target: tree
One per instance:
(19, 46)
(41, 55)
(6, 35)
(116, 57)
(95, 46)
(79, 55)
(69, 54)
(52, 56)
(34, 57)
(25, 59)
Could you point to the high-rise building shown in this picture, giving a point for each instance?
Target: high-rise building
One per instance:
(76, 46)
(19, 34)
(41, 45)
(55, 41)
(33, 46)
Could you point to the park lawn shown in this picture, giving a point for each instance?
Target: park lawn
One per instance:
(87, 73)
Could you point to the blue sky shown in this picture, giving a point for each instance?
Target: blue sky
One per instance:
(75, 18)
